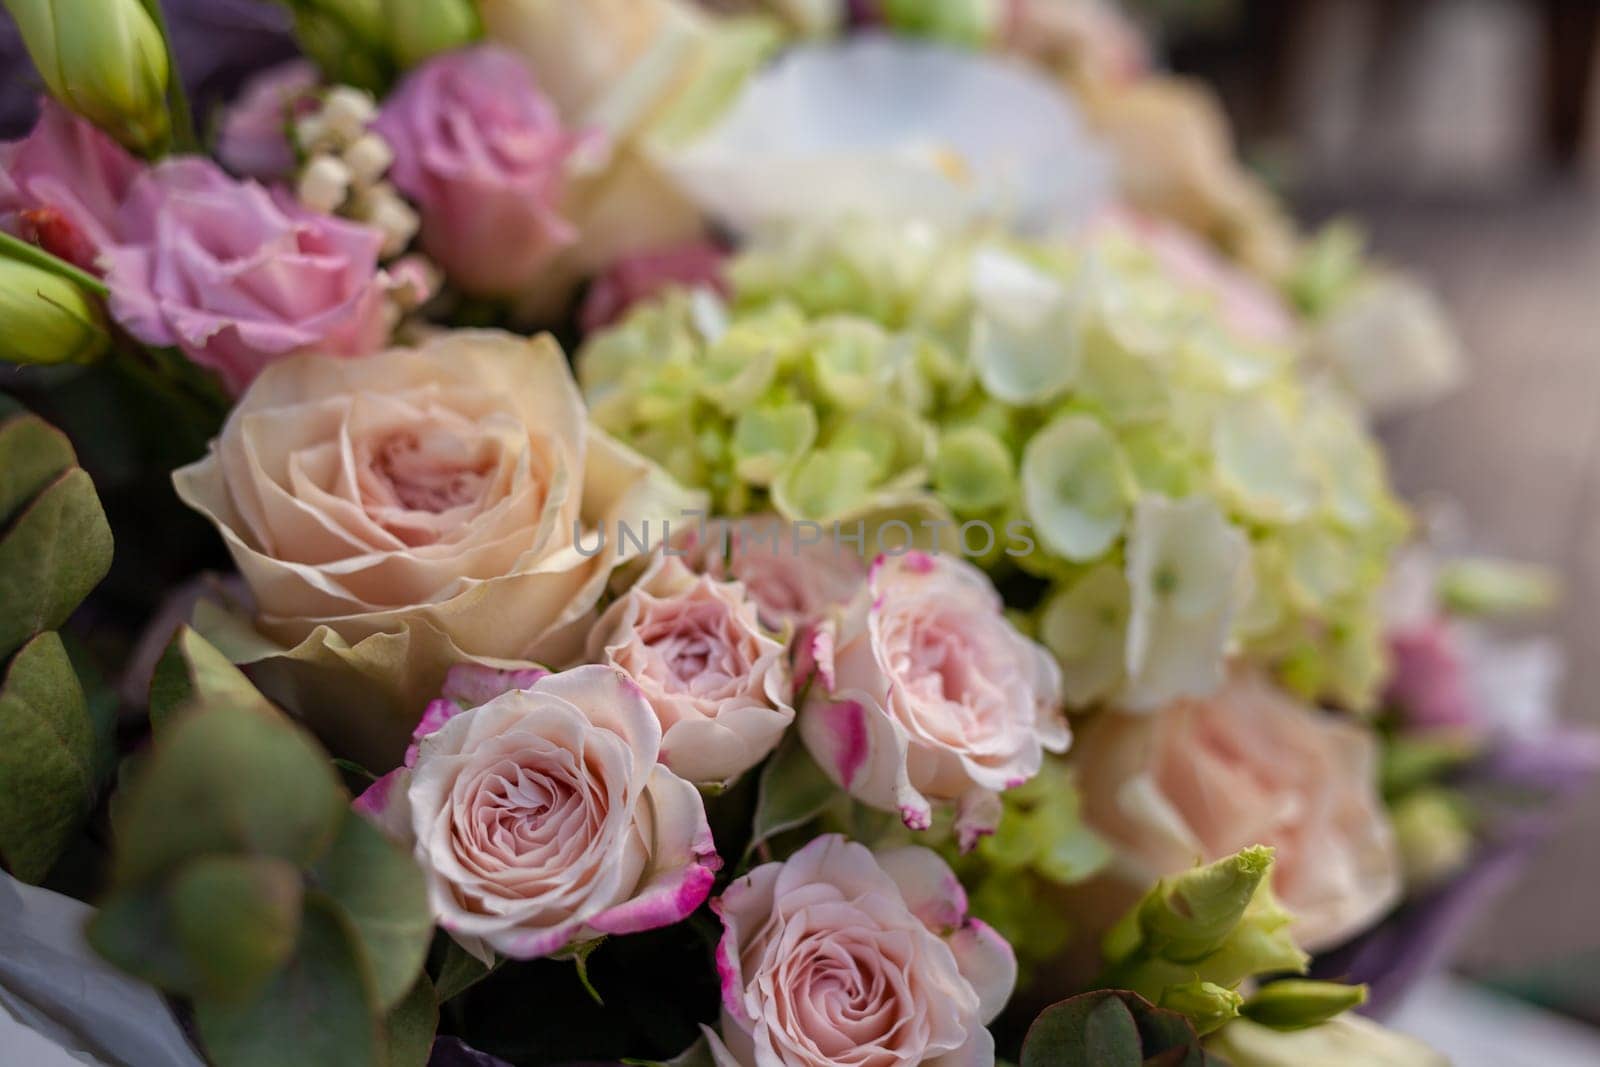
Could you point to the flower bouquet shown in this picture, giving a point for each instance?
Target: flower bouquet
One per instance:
(768, 533)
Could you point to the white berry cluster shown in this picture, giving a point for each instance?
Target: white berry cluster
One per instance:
(345, 164)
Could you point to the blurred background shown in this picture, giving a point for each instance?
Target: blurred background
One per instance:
(1463, 135)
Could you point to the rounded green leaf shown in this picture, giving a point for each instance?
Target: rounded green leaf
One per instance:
(236, 919)
(1076, 487)
(227, 779)
(53, 554)
(380, 890)
(32, 455)
(47, 776)
(317, 1011)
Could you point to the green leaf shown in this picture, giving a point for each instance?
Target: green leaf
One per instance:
(47, 777)
(32, 455)
(237, 919)
(579, 955)
(193, 671)
(409, 1031)
(318, 1011)
(1111, 1028)
(55, 552)
(459, 972)
(135, 931)
(381, 892)
(227, 779)
(792, 792)
(1089, 1030)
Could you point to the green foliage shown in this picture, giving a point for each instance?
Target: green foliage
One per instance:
(1112, 1028)
(243, 880)
(47, 776)
(792, 792)
(55, 547)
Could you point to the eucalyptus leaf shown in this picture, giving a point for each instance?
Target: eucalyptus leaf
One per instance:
(1111, 1028)
(409, 1030)
(32, 455)
(318, 1011)
(227, 779)
(793, 791)
(381, 892)
(237, 919)
(192, 671)
(47, 770)
(459, 971)
(134, 930)
(51, 556)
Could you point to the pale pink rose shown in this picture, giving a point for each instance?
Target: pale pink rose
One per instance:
(1253, 310)
(238, 277)
(1201, 779)
(254, 139)
(541, 818)
(483, 155)
(839, 957)
(62, 186)
(639, 276)
(796, 582)
(924, 692)
(718, 682)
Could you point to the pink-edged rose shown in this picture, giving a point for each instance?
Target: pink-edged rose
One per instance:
(1250, 765)
(238, 277)
(841, 957)
(924, 692)
(254, 139)
(62, 186)
(542, 817)
(719, 683)
(796, 582)
(483, 155)
(640, 276)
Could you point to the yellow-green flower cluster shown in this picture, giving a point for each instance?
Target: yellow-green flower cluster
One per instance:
(1172, 491)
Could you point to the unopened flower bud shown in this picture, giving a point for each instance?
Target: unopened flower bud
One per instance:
(368, 158)
(422, 28)
(324, 184)
(1434, 838)
(346, 110)
(383, 208)
(1190, 915)
(1297, 1003)
(1495, 587)
(47, 318)
(965, 22)
(104, 59)
(1206, 1004)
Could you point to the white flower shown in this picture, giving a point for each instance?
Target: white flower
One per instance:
(888, 128)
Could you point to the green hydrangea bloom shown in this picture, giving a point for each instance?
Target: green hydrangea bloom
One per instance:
(1183, 492)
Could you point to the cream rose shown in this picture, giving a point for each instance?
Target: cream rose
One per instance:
(401, 512)
(924, 692)
(541, 818)
(1201, 779)
(718, 682)
(837, 957)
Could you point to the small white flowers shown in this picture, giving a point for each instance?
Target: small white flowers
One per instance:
(346, 163)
